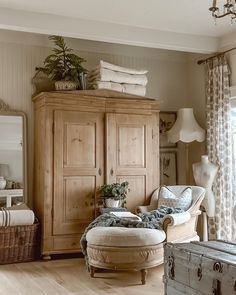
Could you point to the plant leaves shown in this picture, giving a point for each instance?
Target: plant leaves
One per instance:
(62, 64)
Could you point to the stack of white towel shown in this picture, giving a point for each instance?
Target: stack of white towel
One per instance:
(117, 78)
(16, 215)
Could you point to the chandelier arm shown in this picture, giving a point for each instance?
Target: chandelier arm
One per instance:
(222, 15)
(229, 9)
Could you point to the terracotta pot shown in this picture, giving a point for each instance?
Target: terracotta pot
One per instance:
(65, 85)
(111, 203)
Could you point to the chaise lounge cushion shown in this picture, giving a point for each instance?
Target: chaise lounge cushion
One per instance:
(125, 237)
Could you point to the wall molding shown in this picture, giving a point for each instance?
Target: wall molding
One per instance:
(42, 23)
(32, 39)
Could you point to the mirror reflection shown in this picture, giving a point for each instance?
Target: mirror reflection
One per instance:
(11, 160)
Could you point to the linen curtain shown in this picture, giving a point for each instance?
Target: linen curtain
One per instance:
(219, 147)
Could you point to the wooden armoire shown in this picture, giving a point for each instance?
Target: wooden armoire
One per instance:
(84, 139)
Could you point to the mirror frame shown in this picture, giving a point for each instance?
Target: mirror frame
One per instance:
(5, 110)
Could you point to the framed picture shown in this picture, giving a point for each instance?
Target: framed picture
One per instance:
(168, 168)
(167, 120)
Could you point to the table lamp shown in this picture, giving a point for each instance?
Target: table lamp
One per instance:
(4, 172)
(186, 129)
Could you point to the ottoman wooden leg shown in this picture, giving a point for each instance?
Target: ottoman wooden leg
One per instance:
(143, 276)
(92, 271)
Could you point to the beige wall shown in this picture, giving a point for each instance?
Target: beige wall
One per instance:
(20, 53)
(196, 90)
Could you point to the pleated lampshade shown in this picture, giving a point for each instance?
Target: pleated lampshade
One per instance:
(186, 128)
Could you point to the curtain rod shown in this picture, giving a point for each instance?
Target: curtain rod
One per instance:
(201, 61)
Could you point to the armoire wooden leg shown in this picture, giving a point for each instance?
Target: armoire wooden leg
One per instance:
(46, 257)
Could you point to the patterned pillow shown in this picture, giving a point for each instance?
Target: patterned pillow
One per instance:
(169, 199)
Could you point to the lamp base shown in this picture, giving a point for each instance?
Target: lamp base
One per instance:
(187, 163)
(3, 183)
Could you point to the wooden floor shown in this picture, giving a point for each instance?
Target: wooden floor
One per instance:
(69, 276)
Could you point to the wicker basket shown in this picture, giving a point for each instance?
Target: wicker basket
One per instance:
(19, 243)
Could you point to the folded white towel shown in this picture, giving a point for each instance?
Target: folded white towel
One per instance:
(127, 88)
(106, 65)
(105, 75)
(107, 85)
(134, 89)
(16, 217)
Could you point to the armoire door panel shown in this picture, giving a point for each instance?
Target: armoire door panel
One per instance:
(130, 154)
(78, 169)
(137, 192)
(131, 138)
(80, 145)
(79, 193)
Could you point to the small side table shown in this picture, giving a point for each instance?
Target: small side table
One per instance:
(9, 194)
(115, 209)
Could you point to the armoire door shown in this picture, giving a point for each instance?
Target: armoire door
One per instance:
(130, 154)
(78, 169)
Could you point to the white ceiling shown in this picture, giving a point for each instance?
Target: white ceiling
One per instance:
(189, 17)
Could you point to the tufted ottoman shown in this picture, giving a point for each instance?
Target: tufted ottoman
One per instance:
(122, 248)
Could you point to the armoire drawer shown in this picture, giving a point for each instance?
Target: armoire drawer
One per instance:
(66, 243)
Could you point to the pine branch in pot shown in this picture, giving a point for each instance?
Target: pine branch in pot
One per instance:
(114, 195)
(63, 66)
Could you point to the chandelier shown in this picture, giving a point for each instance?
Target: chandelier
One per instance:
(229, 8)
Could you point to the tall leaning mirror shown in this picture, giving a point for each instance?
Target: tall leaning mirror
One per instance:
(13, 157)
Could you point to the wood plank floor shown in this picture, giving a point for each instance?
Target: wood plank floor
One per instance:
(69, 276)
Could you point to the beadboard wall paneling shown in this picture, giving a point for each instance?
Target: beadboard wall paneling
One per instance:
(17, 68)
(167, 73)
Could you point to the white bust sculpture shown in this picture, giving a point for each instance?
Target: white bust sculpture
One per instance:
(204, 174)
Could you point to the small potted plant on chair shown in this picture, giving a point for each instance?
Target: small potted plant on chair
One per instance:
(114, 194)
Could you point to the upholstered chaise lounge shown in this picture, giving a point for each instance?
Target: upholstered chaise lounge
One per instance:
(142, 248)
